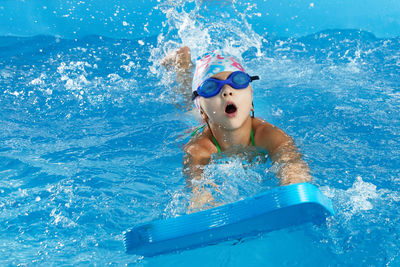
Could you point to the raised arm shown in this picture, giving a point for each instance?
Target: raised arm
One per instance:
(180, 62)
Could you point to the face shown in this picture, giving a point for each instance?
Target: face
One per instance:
(230, 108)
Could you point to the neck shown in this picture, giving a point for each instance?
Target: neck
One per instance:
(227, 138)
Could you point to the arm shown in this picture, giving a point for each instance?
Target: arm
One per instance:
(195, 159)
(180, 62)
(292, 168)
(283, 152)
(196, 153)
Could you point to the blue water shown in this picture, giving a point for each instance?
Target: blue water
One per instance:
(92, 130)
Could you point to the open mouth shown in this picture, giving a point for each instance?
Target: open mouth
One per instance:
(230, 109)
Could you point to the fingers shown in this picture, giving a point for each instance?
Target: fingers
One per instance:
(183, 50)
(180, 59)
(168, 60)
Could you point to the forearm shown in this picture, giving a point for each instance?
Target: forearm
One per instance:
(291, 167)
(180, 62)
(202, 197)
(184, 78)
(184, 84)
(192, 171)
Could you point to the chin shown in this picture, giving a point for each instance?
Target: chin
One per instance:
(234, 123)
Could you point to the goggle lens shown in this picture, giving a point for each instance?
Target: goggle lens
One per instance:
(241, 79)
(211, 86)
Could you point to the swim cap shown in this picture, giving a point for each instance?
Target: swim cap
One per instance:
(211, 64)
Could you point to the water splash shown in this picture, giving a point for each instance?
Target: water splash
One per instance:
(228, 179)
(364, 215)
(355, 200)
(206, 26)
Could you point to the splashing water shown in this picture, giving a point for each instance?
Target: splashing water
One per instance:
(92, 134)
(206, 26)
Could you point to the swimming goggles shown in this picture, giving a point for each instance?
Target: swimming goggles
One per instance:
(211, 87)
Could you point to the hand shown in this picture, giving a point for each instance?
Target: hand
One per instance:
(203, 199)
(200, 201)
(180, 59)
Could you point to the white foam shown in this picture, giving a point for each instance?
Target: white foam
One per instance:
(59, 218)
(361, 194)
(362, 197)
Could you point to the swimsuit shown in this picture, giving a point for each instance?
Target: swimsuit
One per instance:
(215, 140)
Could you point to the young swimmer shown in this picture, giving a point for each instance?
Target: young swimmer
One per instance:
(223, 94)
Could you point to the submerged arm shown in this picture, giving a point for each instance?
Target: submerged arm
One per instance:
(283, 152)
(195, 159)
(194, 162)
(291, 167)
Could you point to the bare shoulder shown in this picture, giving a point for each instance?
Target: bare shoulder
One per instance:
(268, 136)
(200, 148)
(263, 128)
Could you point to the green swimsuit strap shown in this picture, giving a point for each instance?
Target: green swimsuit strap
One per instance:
(251, 137)
(215, 140)
(216, 143)
(198, 129)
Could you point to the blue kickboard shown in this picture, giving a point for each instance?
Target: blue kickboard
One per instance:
(274, 209)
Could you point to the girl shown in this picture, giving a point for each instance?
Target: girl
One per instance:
(222, 92)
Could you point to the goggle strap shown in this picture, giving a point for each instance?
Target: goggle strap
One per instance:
(253, 78)
(195, 94)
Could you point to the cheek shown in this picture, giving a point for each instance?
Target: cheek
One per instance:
(247, 97)
(209, 105)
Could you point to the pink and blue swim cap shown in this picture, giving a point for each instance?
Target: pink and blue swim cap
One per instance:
(212, 63)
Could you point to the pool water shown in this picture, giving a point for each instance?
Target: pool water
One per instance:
(92, 130)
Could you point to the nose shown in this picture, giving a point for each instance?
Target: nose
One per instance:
(227, 91)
